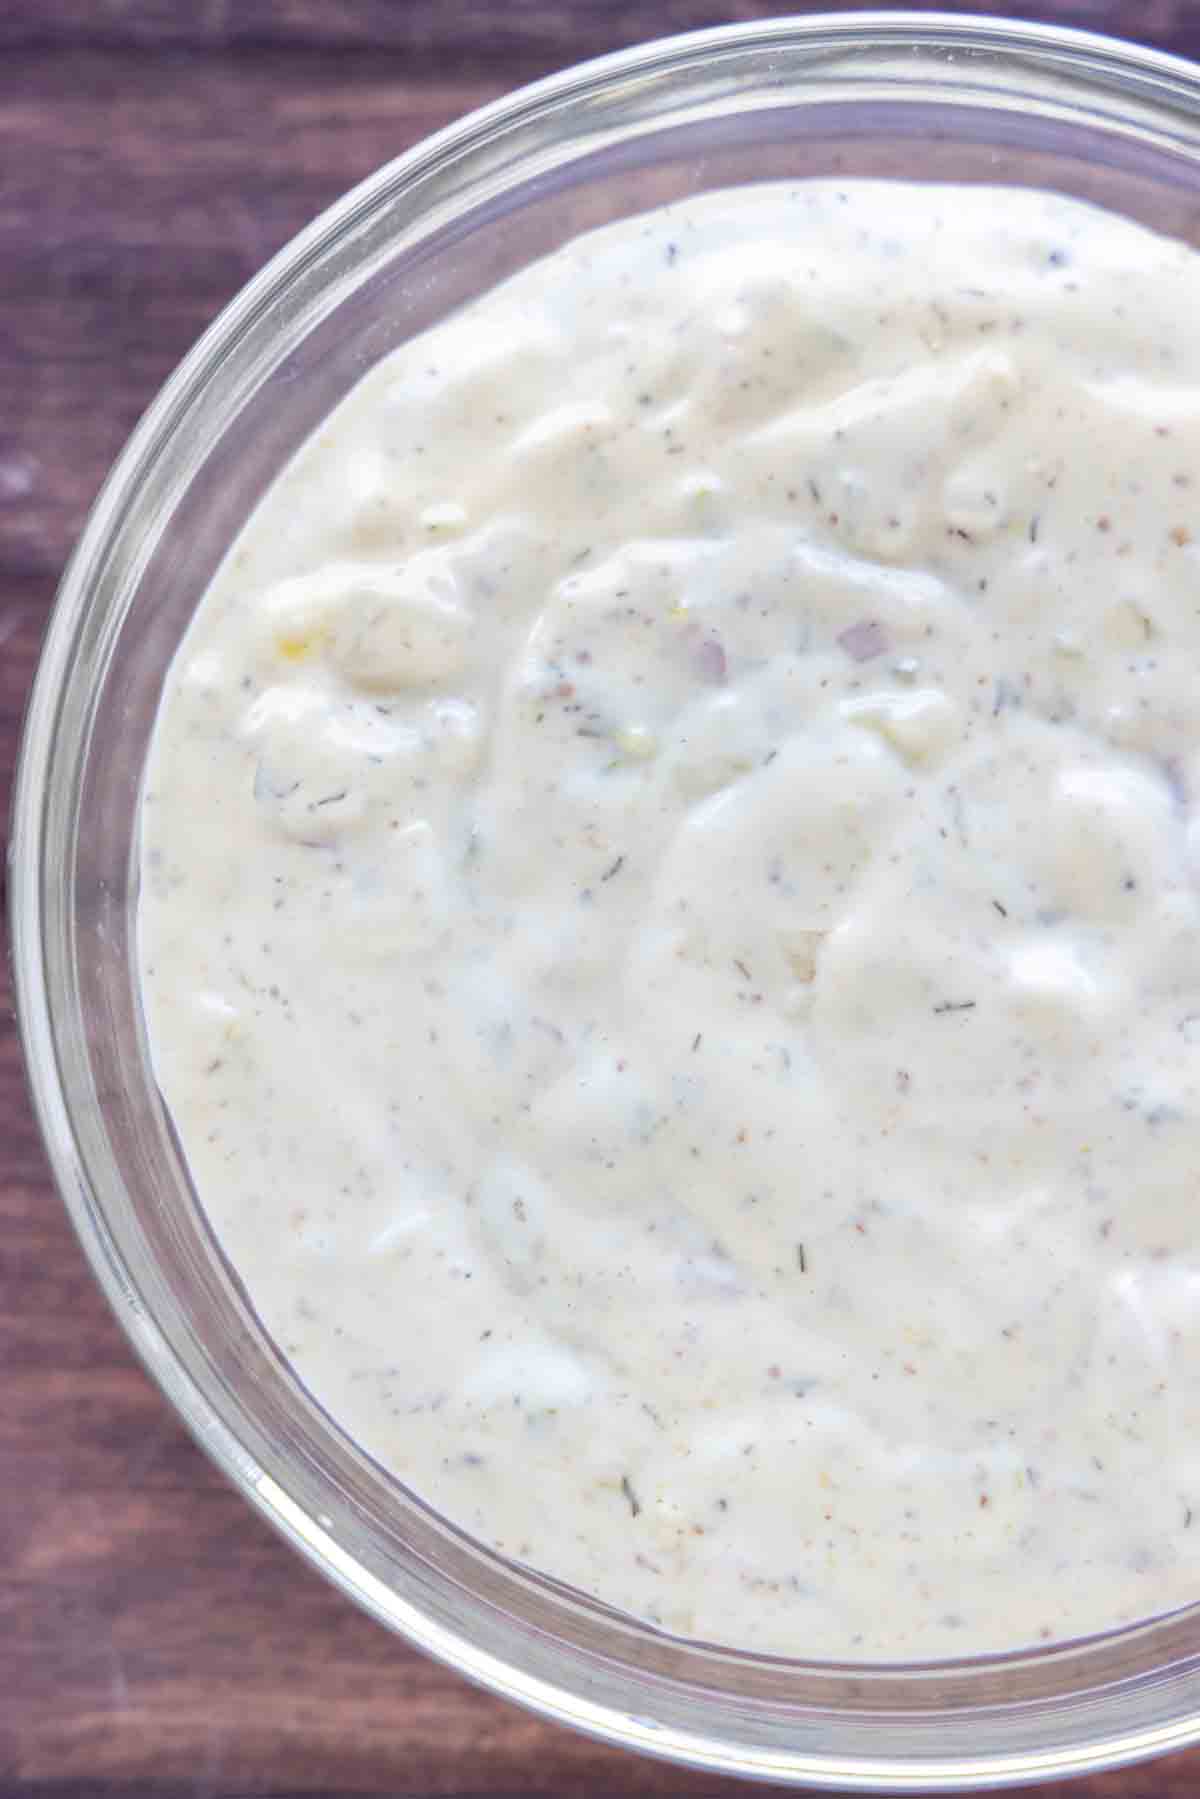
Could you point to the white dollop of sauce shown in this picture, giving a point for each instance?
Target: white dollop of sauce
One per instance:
(670, 917)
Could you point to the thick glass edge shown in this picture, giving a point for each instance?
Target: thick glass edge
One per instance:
(1170, 81)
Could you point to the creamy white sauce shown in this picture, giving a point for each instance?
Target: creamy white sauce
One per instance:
(670, 922)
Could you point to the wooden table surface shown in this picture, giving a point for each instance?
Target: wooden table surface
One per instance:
(155, 1637)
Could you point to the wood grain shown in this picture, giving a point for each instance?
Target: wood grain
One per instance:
(478, 33)
(155, 1638)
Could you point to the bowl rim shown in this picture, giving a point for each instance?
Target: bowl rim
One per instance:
(1171, 80)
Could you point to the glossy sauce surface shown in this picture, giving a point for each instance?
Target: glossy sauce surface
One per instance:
(670, 927)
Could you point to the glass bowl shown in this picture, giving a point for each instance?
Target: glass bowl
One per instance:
(921, 96)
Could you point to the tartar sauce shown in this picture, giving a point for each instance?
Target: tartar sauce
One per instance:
(670, 917)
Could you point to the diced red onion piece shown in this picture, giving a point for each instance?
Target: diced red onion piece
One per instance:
(865, 640)
(710, 660)
(1177, 783)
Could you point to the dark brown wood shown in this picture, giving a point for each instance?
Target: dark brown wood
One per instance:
(155, 1637)
(480, 33)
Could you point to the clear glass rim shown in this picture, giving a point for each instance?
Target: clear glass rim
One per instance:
(1171, 88)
